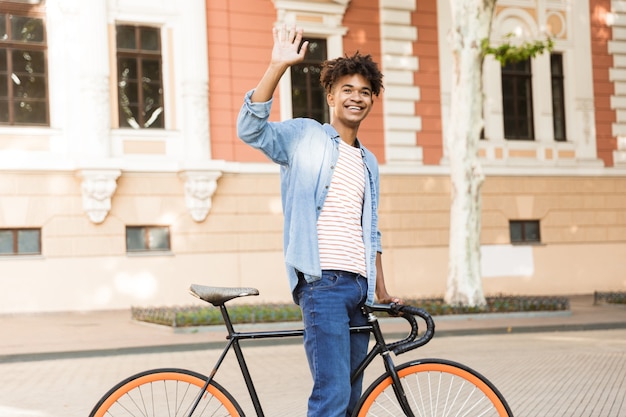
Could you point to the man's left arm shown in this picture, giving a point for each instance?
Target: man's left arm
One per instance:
(382, 296)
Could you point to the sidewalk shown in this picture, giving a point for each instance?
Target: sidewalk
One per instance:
(57, 335)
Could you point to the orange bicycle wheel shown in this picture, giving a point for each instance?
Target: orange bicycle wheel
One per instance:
(170, 392)
(435, 388)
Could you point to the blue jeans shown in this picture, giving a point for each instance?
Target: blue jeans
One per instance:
(329, 307)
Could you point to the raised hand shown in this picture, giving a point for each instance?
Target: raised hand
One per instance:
(287, 49)
(284, 54)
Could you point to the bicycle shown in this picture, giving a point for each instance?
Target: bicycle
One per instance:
(418, 388)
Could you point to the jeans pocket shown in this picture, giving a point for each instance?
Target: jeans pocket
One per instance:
(327, 281)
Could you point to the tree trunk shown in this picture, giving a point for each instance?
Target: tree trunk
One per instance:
(471, 23)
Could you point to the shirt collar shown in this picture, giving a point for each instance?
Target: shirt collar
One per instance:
(335, 136)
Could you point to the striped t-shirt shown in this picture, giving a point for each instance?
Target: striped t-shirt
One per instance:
(339, 228)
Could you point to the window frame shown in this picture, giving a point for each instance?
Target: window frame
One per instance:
(558, 98)
(334, 47)
(511, 74)
(139, 55)
(309, 91)
(146, 239)
(11, 46)
(525, 240)
(15, 232)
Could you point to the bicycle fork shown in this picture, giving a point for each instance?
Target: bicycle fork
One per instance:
(390, 366)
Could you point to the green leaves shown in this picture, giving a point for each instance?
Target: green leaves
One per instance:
(509, 53)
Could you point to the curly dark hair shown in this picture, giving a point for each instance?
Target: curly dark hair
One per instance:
(334, 69)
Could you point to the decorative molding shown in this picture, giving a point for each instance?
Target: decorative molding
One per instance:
(399, 64)
(516, 21)
(97, 187)
(324, 14)
(619, 156)
(556, 24)
(199, 189)
(617, 74)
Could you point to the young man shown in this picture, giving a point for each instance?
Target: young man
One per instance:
(330, 190)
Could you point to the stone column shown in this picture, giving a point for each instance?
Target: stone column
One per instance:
(192, 42)
(86, 73)
(81, 29)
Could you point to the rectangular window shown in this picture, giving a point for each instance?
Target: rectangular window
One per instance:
(308, 97)
(524, 231)
(23, 76)
(558, 97)
(147, 238)
(517, 100)
(20, 242)
(139, 77)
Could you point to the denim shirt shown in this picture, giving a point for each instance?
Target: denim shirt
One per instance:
(307, 152)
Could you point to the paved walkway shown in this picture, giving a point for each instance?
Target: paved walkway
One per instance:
(541, 366)
(44, 336)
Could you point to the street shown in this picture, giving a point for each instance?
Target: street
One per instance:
(546, 374)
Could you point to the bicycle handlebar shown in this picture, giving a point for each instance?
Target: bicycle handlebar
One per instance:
(408, 313)
(411, 311)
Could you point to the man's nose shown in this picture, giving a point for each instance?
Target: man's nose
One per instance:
(356, 96)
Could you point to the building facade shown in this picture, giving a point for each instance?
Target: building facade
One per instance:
(122, 180)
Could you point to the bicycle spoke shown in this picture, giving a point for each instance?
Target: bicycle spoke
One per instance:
(435, 390)
(421, 412)
(166, 393)
(411, 394)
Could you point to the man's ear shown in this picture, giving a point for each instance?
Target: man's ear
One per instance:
(330, 99)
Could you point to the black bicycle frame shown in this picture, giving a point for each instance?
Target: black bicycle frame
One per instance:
(233, 337)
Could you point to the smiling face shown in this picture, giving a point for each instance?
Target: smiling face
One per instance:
(351, 100)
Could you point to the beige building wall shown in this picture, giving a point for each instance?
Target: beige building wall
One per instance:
(84, 266)
(583, 234)
(59, 178)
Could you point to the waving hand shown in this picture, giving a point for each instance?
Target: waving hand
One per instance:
(286, 52)
(287, 49)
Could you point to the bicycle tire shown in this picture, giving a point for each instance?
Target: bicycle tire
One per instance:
(166, 391)
(434, 388)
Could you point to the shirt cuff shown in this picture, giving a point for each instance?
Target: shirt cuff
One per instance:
(258, 109)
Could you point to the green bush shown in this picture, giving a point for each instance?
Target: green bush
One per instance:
(613, 297)
(190, 316)
(495, 304)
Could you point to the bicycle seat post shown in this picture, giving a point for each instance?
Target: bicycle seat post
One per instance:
(243, 366)
(227, 321)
